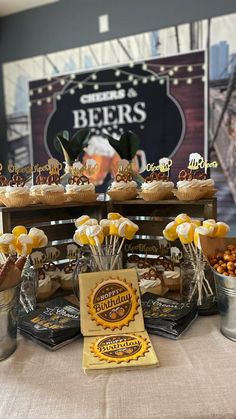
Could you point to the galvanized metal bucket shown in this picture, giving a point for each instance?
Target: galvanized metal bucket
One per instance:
(226, 296)
(9, 303)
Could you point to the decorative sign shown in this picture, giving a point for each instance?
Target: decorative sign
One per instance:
(156, 99)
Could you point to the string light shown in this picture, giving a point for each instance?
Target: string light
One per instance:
(176, 68)
(40, 90)
(118, 85)
(161, 81)
(203, 79)
(131, 65)
(62, 82)
(39, 102)
(175, 81)
(31, 92)
(72, 76)
(153, 78)
(144, 66)
(80, 85)
(49, 78)
(49, 87)
(203, 67)
(144, 80)
(130, 78)
(135, 82)
(162, 68)
(189, 81)
(58, 97)
(48, 100)
(171, 73)
(95, 87)
(190, 68)
(117, 73)
(72, 91)
(94, 77)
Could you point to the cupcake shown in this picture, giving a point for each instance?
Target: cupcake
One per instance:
(66, 277)
(156, 187)
(44, 285)
(151, 282)
(53, 194)
(208, 188)
(123, 188)
(17, 196)
(80, 190)
(52, 271)
(36, 193)
(2, 194)
(171, 279)
(188, 187)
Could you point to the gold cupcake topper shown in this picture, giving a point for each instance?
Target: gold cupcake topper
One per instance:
(164, 166)
(54, 167)
(197, 162)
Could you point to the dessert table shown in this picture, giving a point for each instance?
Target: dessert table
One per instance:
(196, 379)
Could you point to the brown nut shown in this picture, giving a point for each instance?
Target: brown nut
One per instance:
(230, 266)
(220, 269)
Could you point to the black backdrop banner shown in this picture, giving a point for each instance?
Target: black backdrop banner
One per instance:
(161, 100)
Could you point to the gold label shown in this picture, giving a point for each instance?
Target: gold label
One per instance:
(120, 348)
(113, 303)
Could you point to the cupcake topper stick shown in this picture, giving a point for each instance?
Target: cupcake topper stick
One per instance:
(165, 165)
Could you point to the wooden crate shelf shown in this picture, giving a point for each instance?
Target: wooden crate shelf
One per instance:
(58, 221)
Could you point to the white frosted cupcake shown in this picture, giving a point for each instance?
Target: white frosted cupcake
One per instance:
(189, 190)
(151, 285)
(36, 193)
(44, 286)
(172, 279)
(123, 188)
(18, 196)
(155, 190)
(53, 194)
(80, 193)
(208, 187)
(66, 278)
(2, 194)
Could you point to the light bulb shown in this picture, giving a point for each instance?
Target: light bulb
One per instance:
(190, 68)
(94, 77)
(162, 68)
(189, 81)
(80, 85)
(39, 102)
(62, 82)
(117, 73)
(118, 85)
(40, 90)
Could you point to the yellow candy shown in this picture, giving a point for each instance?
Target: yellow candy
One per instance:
(170, 231)
(185, 232)
(196, 222)
(211, 226)
(182, 218)
(91, 222)
(24, 244)
(81, 220)
(7, 243)
(95, 235)
(105, 224)
(221, 229)
(80, 236)
(114, 227)
(200, 230)
(128, 229)
(113, 216)
(38, 236)
(19, 230)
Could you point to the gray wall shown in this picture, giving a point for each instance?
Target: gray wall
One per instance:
(72, 23)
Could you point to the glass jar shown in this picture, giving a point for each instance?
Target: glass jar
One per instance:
(188, 282)
(28, 288)
(95, 262)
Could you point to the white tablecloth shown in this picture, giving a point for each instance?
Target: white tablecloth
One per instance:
(196, 379)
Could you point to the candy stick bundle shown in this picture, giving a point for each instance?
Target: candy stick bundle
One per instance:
(14, 249)
(187, 230)
(105, 238)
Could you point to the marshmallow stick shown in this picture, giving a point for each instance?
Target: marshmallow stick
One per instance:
(96, 258)
(118, 253)
(2, 258)
(99, 248)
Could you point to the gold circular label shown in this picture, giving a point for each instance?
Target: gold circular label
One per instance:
(113, 303)
(120, 348)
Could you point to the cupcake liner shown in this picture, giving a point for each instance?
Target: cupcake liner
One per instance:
(67, 285)
(17, 201)
(188, 194)
(88, 196)
(123, 195)
(53, 198)
(159, 195)
(208, 192)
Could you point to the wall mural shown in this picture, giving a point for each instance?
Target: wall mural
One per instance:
(217, 35)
